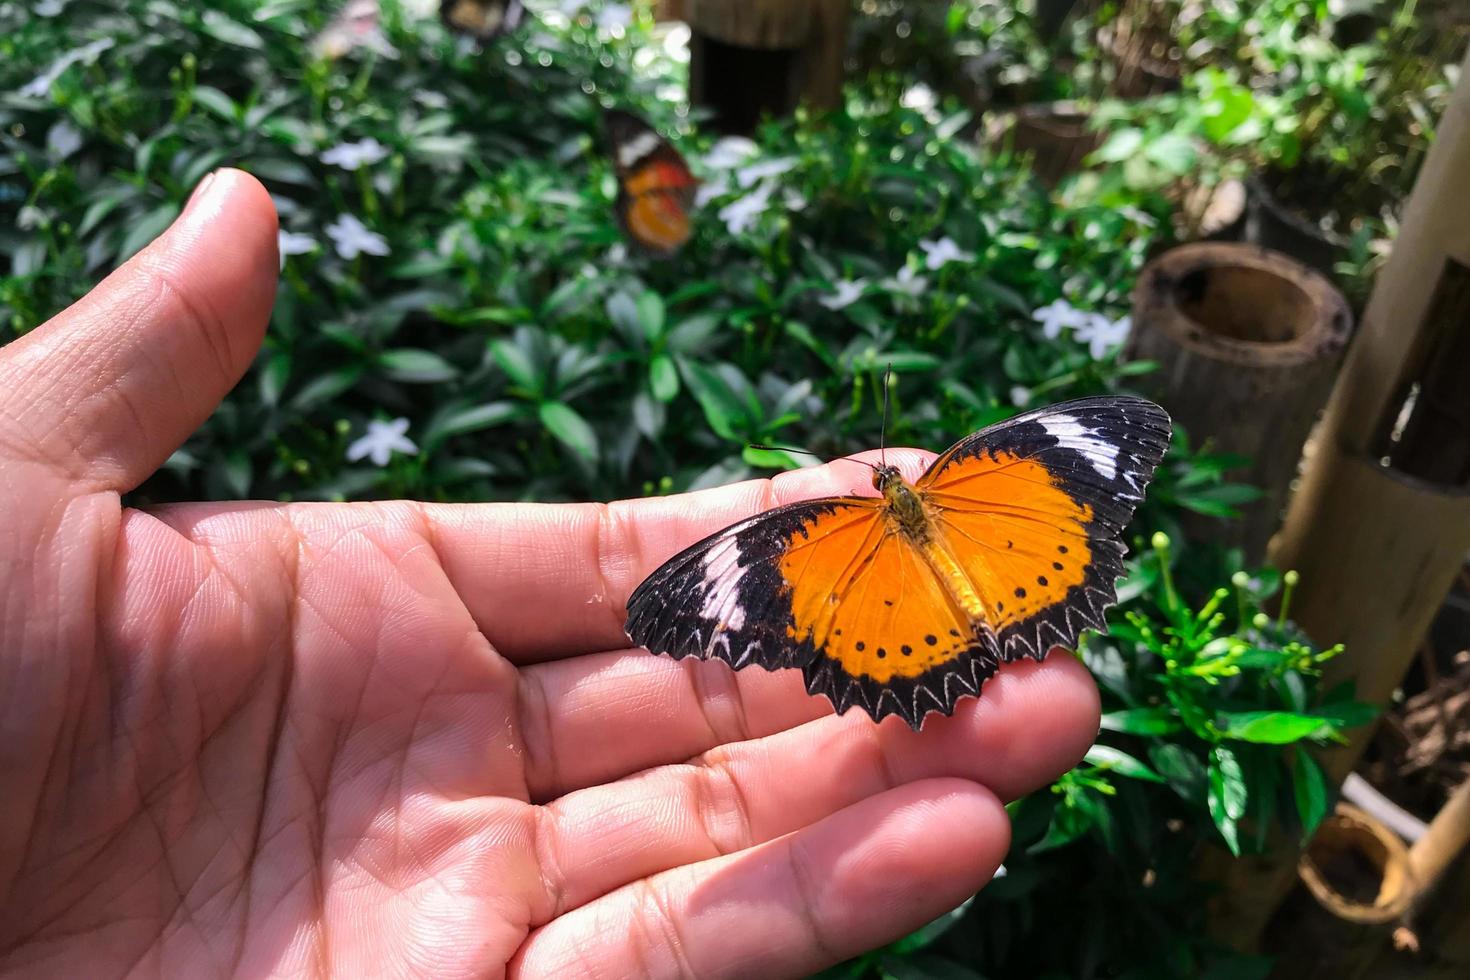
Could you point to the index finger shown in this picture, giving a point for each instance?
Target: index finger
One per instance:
(550, 580)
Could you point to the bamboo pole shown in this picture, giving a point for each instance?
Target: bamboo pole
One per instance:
(1379, 546)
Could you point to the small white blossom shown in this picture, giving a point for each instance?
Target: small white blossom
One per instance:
(717, 186)
(1000, 872)
(352, 238)
(940, 253)
(1056, 316)
(383, 439)
(920, 97)
(350, 156)
(614, 18)
(1020, 397)
(793, 199)
(29, 217)
(730, 152)
(907, 282)
(1102, 335)
(747, 176)
(741, 214)
(617, 255)
(293, 243)
(63, 139)
(845, 293)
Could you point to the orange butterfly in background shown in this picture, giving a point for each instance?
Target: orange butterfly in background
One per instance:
(655, 185)
(902, 603)
(483, 20)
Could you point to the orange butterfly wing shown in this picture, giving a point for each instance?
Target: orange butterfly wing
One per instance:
(655, 185)
(1020, 553)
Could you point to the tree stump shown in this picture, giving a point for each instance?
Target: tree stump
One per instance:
(749, 58)
(1248, 342)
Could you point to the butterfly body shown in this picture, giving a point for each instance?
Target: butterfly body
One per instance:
(904, 602)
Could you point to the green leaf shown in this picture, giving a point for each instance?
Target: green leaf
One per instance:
(1142, 721)
(562, 421)
(1227, 797)
(722, 408)
(1182, 768)
(1121, 145)
(925, 935)
(146, 228)
(769, 459)
(273, 377)
(1173, 152)
(1116, 760)
(232, 32)
(415, 366)
(217, 102)
(1309, 784)
(458, 421)
(691, 335)
(651, 315)
(325, 388)
(517, 365)
(663, 378)
(622, 310)
(1270, 727)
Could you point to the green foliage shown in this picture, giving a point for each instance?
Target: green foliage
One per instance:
(1210, 715)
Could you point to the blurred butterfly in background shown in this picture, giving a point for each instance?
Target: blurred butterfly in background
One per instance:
(357, 25)
(482, 20)
(655, 185)
(904, 602)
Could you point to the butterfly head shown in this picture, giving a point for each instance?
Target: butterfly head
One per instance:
(886, 479)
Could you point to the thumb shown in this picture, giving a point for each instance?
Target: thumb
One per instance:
(106, 389)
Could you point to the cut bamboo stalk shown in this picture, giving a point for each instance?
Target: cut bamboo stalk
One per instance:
(1448, 833)
(1248, 342)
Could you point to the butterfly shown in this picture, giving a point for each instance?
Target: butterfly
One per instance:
(481, 19)
(655, 186)
(903, 603)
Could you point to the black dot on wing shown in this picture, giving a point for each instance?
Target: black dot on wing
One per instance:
(1010, 544)
(952, 633)
(1041, 580)
(887, 602)
(931, 639)
(905, 649)
(861, 645)
(882, 653)
(837, 632)
(1020, 593)
(1062, 548)
(1000, 606)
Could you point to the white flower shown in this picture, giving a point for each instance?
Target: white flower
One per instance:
(614, 18)
(383, 439)
(907, 282)
(1101, 334)
(717, 186)
(29, 217)
(63, 139)
(845, 293)
(920, 97)
(617, 255)
(1057, 315)
(350, 156)
(352, 238)
(1000, 872)
(746, 176)
(793, 199)
(741, 214)
(730, 152)
(938, 254)
(293, 243)
(1020, 397)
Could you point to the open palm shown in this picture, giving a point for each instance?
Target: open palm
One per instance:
(403, 739)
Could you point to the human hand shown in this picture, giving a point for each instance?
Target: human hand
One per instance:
(397, 738)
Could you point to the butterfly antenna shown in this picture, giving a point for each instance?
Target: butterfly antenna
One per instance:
(883, 428)
(808, 452)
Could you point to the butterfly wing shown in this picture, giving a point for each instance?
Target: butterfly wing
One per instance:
(1032, 509)
(480, 19)
(655, 185)
(828, 586)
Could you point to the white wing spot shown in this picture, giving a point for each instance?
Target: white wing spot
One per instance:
(722, 575)
(637, 148)
(1071, 434)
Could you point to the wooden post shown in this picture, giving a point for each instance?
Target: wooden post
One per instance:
(1248, 342)
(749, 58)
(1378, 545)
